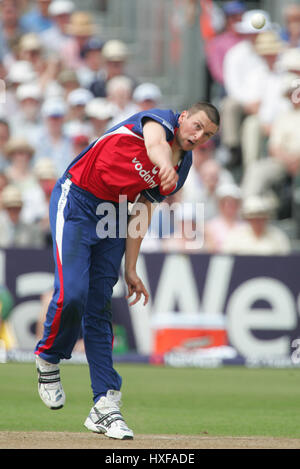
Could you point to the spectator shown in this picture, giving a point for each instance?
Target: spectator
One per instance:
(217, 229)
(119, 93)
(254, 131)
(278, 171)
(27, 120)
(31, 50)
(274, 102)
(79, 143)
(80, 29)
(188, 232)
(3, 72)
(19, 154)
(92, 67)
(100, 113)
(244, 74)
(147, 96)
(76, 121)
(217, 47)
(115, 54)
(37, 19)
(209, 178)
(4, 137)
(20, 72)
(19, 173)
(289, 61)
(162, 223)
(68, 81)
(3, 50)
(212, 20)
(204, 176)
(53, 142)
(14, 232)
(54, 37)
(10, 28)
(291, 32)
(257, 236)
(46, 175)
(3, 183)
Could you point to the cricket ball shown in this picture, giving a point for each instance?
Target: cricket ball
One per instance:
(258, 20)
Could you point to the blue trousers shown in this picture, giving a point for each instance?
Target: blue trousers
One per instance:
(86, 270)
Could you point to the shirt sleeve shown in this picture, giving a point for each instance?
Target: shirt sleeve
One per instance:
(165, 117)
(154, 194)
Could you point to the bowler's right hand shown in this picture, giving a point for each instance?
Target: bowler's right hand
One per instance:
(168, 177)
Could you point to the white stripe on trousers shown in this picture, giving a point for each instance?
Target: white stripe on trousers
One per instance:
(60, 221)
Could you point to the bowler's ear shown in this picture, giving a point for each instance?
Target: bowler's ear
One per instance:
(182, 116)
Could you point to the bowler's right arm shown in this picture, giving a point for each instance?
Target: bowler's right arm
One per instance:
(160, 153)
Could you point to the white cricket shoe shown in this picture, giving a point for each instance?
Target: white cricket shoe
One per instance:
(49, 385)
(105, 417)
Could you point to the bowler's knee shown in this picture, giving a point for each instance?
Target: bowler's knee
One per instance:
(75, 299)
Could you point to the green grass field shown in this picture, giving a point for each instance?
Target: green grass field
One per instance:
(230, 401)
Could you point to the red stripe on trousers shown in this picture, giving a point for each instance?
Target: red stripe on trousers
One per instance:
(57, 316)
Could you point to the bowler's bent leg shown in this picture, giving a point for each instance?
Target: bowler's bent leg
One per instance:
(72, 261)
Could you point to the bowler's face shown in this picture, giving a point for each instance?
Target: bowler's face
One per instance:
(194, 129)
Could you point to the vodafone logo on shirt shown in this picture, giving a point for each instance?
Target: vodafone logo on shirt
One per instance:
(147, 176)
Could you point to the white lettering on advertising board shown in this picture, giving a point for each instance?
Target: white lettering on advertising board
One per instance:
(177, 287)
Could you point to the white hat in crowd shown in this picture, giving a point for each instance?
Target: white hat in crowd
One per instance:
(17, 145)
(268, 43)
(28, 90)
(30, 42)
(79, 97)
(119, 82)
(54, 108)
(45, 169)
(147, 91)
(115, 50)
(257, 206)
(229, 190)
(290, 60)
(11, 197)
(61, 7)
(245, 27)
(21, 72)
(100, 108)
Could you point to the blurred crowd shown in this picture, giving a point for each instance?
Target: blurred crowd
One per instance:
(255, 78)
(63, 86)
(248, 178)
